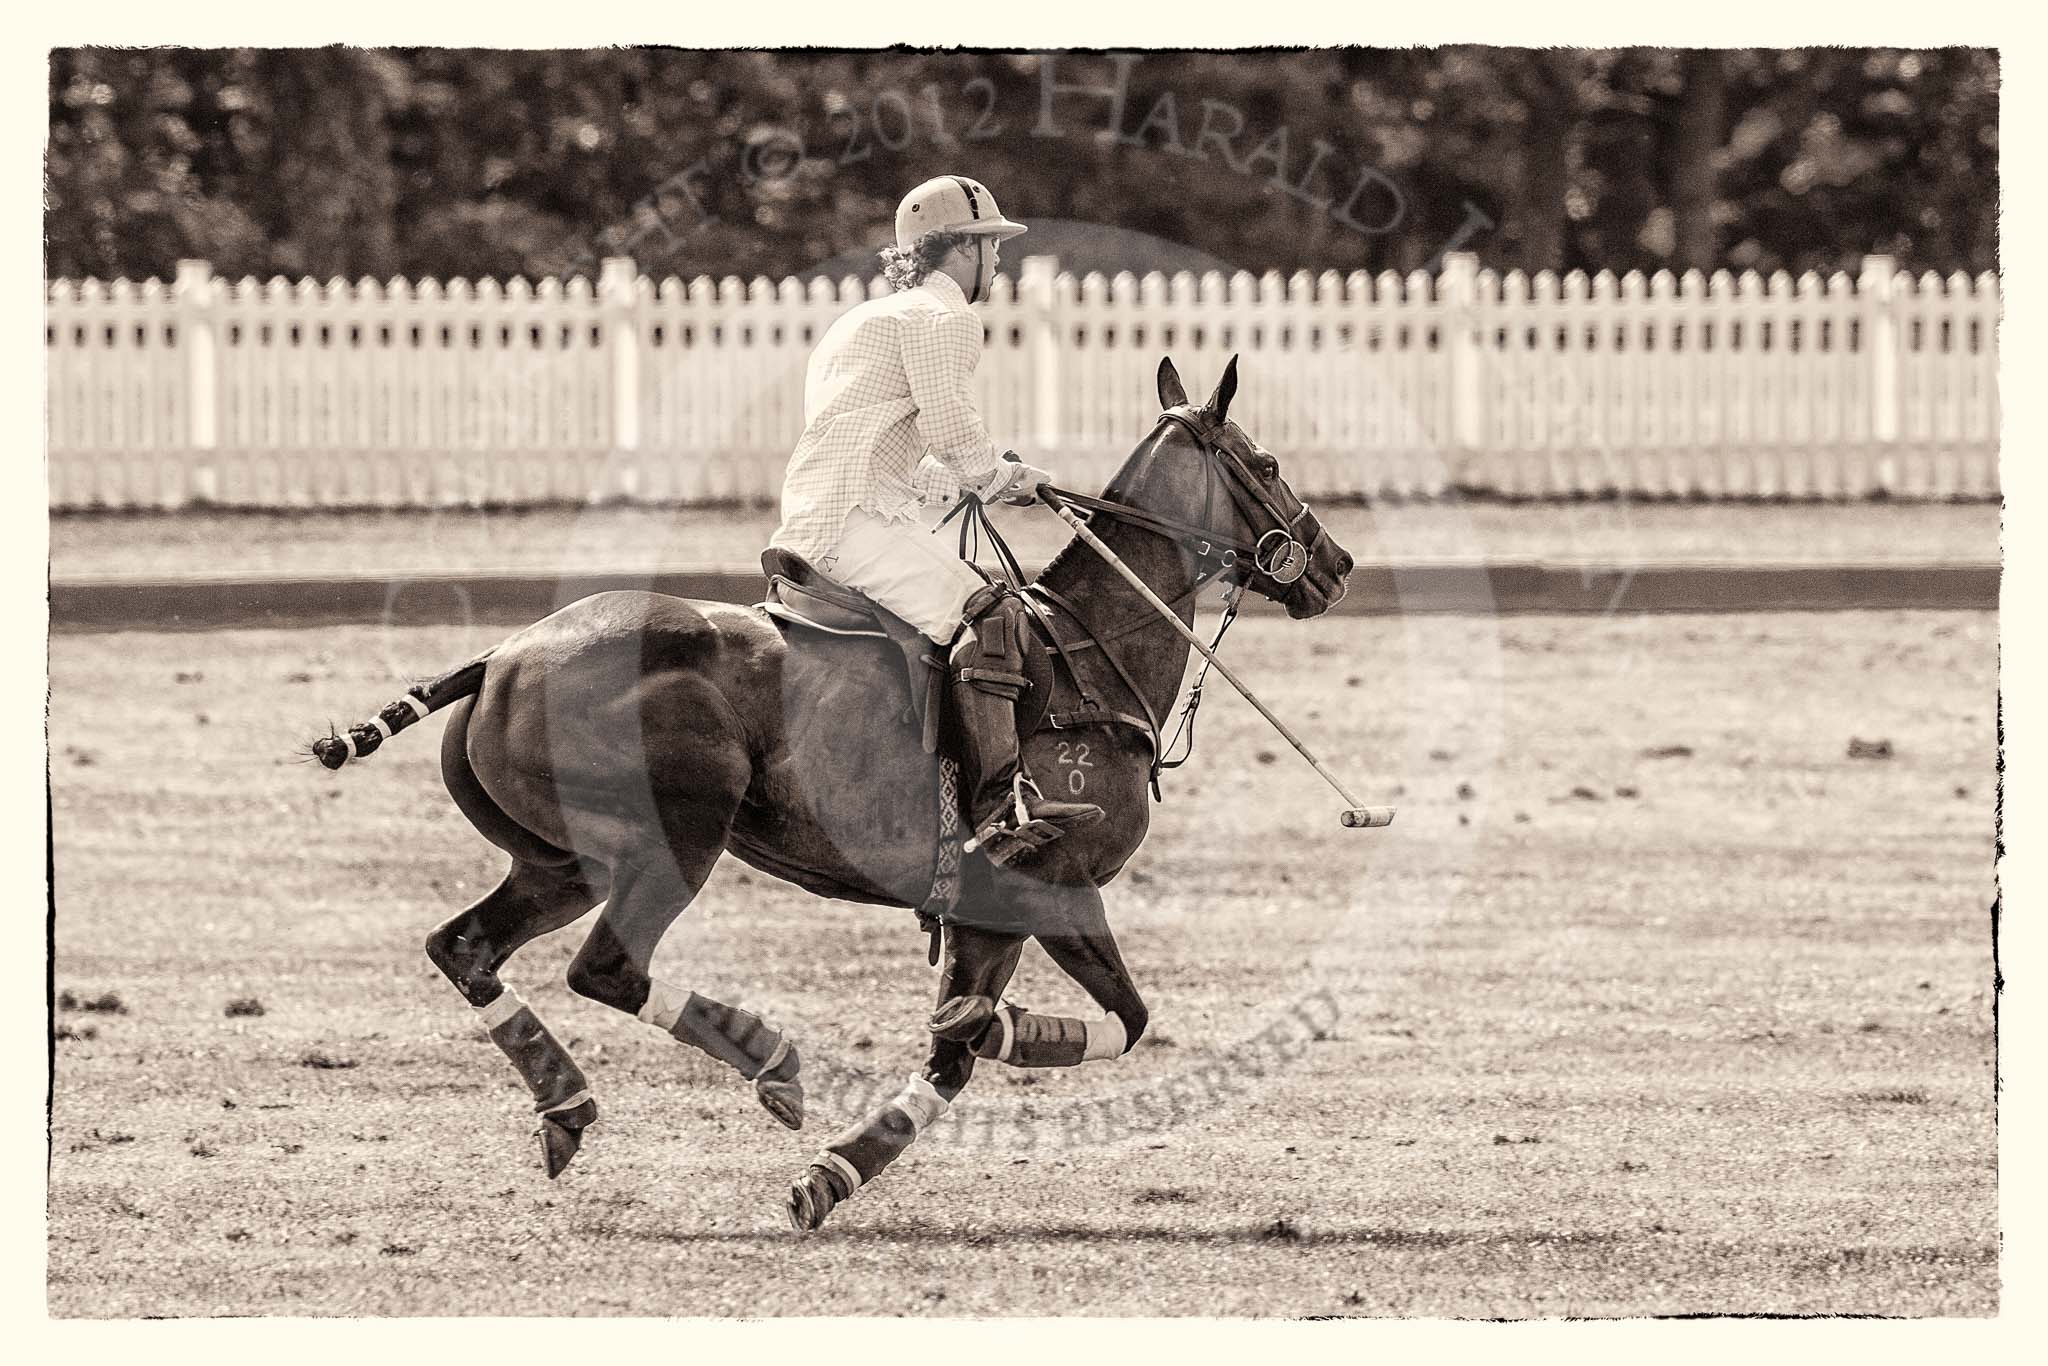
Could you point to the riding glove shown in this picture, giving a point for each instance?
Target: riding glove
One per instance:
(1015, 482)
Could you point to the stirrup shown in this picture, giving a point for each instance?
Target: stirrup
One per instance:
(1004, 844)
(1022, 815)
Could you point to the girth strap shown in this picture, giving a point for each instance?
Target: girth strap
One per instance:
(1073, 720)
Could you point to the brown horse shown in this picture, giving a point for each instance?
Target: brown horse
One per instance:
(618, 747)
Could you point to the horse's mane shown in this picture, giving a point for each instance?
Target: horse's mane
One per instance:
(1068, 551)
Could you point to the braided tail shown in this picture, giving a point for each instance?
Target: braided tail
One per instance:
(418, 702)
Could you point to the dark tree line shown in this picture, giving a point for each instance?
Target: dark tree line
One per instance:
(442, 162)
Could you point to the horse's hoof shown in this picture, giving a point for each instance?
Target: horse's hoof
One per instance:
(811, 1198)
(782, 1099)
(561, 1136)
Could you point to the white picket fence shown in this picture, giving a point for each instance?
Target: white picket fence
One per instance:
(339, 395)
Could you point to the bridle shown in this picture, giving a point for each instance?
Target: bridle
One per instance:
(1278, 557)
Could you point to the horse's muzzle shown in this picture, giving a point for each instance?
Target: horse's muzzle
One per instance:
(1323, 586)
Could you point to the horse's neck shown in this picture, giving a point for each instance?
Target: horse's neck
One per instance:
(1155, 654)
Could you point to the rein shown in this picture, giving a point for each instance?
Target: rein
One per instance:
(974, 526)
(1274, 555)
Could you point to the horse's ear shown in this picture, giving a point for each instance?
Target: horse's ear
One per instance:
(1171, 393)
(1226, 389)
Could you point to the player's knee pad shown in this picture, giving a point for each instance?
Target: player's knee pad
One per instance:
(990, 653)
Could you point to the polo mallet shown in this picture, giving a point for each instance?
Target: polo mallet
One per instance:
(1356, 814)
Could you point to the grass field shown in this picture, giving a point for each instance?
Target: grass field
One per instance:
(1652, 1001)
(621, 538)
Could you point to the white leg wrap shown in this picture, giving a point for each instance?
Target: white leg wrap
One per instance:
(1106, 1039)
(828, 1158)
(500, 1010)
(383, 726)
(922, 1102)
(664, 1005)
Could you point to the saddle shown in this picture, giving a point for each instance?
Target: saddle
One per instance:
(799, 595)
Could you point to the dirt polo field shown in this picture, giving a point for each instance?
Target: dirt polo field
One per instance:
(1668, 992)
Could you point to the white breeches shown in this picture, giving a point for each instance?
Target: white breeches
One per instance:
(912, 570)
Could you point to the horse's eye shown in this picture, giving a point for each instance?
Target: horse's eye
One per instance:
(1267, 468)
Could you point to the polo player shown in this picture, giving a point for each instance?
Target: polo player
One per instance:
(890, 429)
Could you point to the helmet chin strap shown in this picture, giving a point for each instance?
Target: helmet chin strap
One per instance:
(981, 271)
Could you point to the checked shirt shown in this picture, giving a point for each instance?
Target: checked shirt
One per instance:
(889, 418)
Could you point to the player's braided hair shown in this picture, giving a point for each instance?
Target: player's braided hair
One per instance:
(906, 267)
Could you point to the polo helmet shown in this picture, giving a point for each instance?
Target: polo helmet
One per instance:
(953, 202)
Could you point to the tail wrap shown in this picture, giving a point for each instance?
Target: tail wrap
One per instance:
(418, 702)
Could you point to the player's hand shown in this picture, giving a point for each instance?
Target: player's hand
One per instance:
(1016, 483)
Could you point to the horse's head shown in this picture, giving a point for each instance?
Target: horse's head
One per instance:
(1283, 551)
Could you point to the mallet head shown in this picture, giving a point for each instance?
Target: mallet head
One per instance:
(1368, 817)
